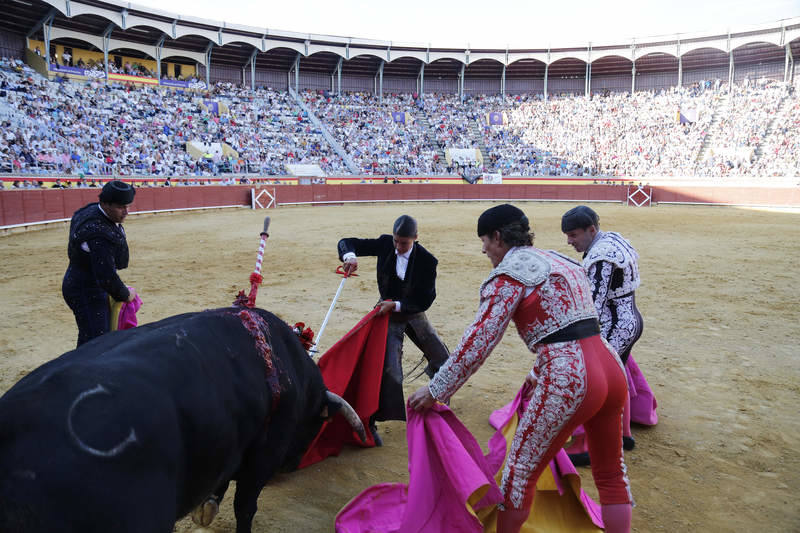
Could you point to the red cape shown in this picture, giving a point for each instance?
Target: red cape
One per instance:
(352, 368)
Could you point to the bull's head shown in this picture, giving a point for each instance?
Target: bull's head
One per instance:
(329, 405)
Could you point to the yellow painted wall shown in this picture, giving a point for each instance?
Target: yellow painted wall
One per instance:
(86, 55)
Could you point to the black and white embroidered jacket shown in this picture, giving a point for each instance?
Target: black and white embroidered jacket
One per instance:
(612, 264)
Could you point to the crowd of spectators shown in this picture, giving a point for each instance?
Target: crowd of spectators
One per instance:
(450, 119)
(99, 129)
(744, 116)
(612, 135)
(780, 149)
(119, 129)
(271, 131)
(378, 142)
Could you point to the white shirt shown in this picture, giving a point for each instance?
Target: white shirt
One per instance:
(400, 268)
(402, 263)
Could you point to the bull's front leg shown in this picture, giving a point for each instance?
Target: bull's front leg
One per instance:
(251, 480)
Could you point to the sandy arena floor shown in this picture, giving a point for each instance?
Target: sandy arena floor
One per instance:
(720, 299)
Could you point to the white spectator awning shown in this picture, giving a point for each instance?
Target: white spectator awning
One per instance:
(305, 170)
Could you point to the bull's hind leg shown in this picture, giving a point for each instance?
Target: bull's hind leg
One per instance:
(204, 514)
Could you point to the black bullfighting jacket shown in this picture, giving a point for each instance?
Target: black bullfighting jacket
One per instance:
(417, 291)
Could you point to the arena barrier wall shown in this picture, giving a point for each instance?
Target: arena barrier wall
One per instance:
(36, 206)
(421, 192)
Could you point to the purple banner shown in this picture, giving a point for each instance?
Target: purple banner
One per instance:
(78, 71)
(399, 116)
(495, 119)
(194, 84)
(212, 106)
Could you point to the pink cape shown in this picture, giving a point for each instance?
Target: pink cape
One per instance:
(453, 486)
(123, 314)
(643, 401)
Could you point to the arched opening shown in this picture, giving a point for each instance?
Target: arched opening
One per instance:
(358, 73)
(566, 77)
(441, 76)
(755, 61)
(70, 52)
(656, 71)
(611, 74)
(525, 76)
(483, 76)
(400, 75)
(316, 71)
(178, 68)
(131, 62)
(705, 65)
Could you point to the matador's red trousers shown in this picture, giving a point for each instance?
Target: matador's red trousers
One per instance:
(579, 382)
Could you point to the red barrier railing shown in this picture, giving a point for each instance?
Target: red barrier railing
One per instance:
(34, 206)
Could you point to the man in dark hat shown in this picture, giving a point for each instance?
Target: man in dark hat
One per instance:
(97, 248)
(612, 265)
(406, 275)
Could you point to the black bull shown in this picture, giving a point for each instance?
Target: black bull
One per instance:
(132, 430)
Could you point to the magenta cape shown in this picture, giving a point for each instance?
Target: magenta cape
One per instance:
(643, 401)
(453, 486)
(123, 314)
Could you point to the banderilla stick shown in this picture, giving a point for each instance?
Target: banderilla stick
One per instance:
(255, 277)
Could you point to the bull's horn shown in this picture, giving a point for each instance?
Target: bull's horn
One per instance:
(349, 414)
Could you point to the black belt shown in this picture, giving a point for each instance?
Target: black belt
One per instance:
(578, 330)
(623, 295)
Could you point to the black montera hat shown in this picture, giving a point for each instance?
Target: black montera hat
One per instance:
(498, 216)
(117, 192)
(580, 217)
(405, 226)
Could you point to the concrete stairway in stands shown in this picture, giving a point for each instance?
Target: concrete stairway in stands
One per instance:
(430, 134)
(476, 134)
(759, 151)
(325, 133)
(721, 108)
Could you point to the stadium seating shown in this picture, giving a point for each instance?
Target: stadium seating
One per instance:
(98, 129)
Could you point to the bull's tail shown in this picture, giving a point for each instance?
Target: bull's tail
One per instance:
(113, 452)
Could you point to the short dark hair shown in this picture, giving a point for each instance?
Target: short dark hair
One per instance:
(580, 217)
(405, 226)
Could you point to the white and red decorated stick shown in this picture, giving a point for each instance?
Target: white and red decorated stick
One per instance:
(255, 277)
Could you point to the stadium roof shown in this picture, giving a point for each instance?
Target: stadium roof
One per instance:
(139, 30)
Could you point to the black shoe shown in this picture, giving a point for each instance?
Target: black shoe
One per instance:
(580, 459)
(377, 438)
(628, 443)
